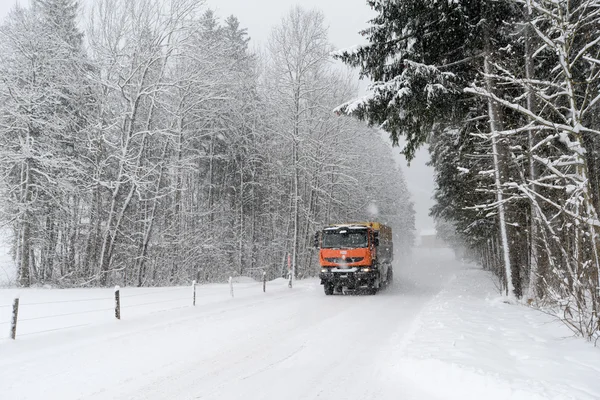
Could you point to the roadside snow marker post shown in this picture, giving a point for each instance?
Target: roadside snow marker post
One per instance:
(231, 286)
(117, 302)
(194, 293)
(290, 272)
(13, 321)
(264, 281)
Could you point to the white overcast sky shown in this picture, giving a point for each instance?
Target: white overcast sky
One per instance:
(345, 19)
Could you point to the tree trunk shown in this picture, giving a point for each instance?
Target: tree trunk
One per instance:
(499, 155)
(533, 225)
(25, 239)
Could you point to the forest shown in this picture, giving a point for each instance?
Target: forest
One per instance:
(147, 143)
(507, 96)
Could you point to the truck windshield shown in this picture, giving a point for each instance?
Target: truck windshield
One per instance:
(349, 239)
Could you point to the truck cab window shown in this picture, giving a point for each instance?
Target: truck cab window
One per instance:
(335, 239)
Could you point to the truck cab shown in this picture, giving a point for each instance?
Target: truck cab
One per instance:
(353, 257)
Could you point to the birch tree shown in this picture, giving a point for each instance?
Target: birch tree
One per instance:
(133, 62)
(299, 50)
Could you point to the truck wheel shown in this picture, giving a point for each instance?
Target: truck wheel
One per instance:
(390, 276)
(371, 290)
(328, 288)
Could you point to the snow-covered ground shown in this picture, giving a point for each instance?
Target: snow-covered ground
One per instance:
(475, 346)
(439, 333)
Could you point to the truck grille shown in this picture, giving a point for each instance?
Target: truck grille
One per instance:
(346, 260)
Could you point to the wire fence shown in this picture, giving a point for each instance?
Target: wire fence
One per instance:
(40, 317)
(64, 314)
(61, 301)
(154, 292)
(159, 302)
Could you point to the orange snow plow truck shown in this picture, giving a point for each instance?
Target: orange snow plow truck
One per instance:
(355, 257)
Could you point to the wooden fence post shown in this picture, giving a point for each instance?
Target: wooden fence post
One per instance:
(231, 285)
(13, 322)
(264, 281)
(117, 302)
(194, 293)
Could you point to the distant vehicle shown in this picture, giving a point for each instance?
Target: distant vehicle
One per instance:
(355, 257)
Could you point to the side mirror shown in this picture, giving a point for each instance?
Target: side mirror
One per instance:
(316, 240)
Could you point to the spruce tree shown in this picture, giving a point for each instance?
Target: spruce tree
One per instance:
(60, 16)
(420, 56)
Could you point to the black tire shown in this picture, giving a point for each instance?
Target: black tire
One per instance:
(328, 289)
(390, 276)
(372, 291)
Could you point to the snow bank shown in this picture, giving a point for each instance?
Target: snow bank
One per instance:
(43, 311)
(162, 348)
(475, 346)
(243, 279)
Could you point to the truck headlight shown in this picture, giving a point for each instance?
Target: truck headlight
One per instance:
(366, 270)
(323, 269)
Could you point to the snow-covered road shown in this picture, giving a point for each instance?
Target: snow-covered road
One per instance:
(292, 344)
(438, 333)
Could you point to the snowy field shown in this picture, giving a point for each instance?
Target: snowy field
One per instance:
(438, 333)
